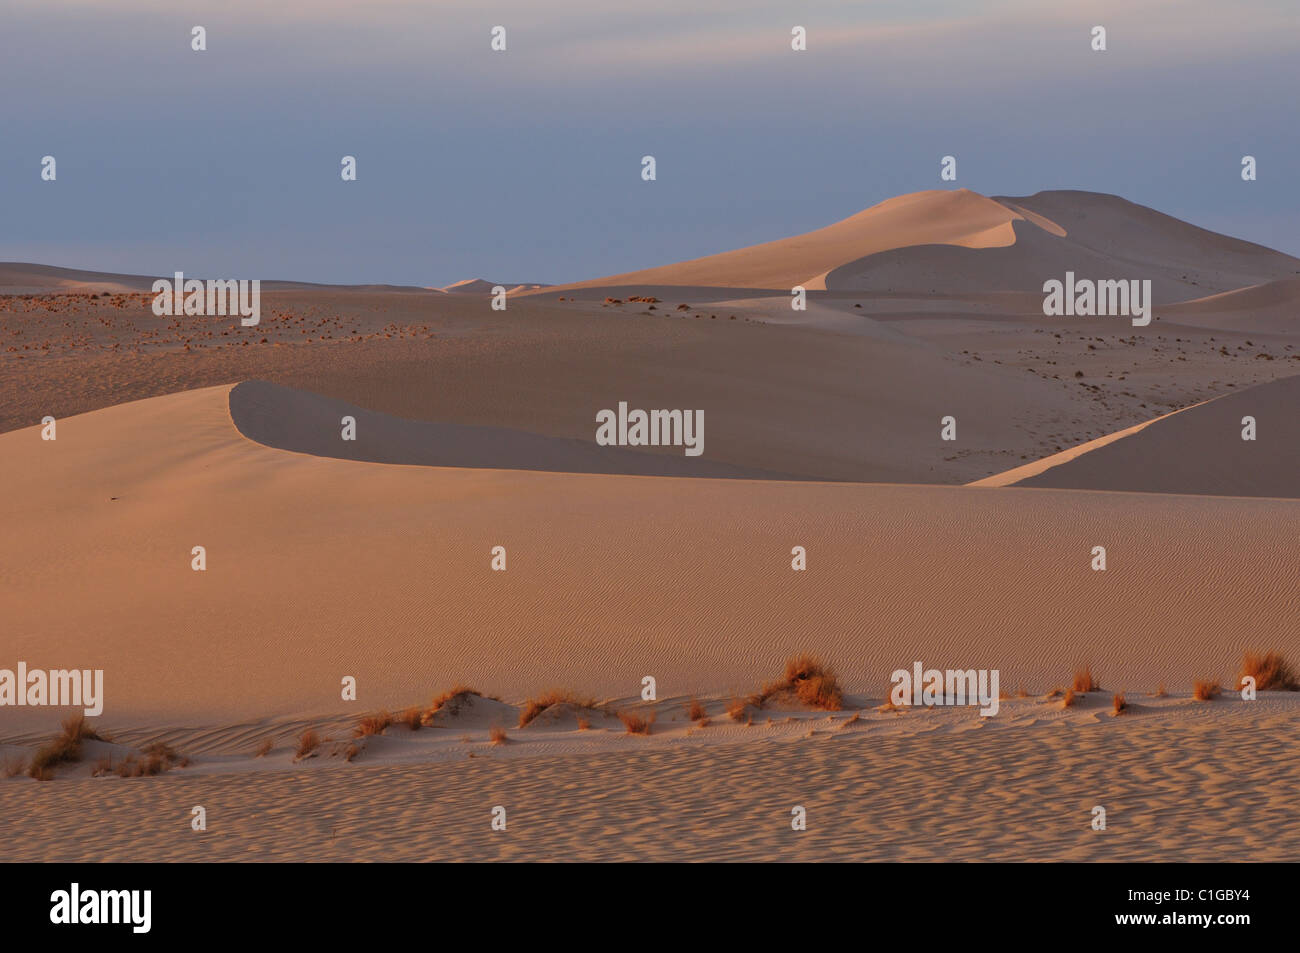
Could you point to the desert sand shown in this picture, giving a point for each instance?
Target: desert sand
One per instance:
(372, 559)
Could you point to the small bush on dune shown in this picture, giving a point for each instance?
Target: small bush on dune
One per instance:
(375, 724)
(1083, 680)
(1070, 699)
(1160, 692)
(308, 742)
(695, 711)
(1204, 691)
(738, 709)
(1270, 671)
(64, 749)
(412, 718)
(1118, 702)
(535, 706)
(453, 700)
(498, 735)
(265, 748)
(808, 680)
(635, 724)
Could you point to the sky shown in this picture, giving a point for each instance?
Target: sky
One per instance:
(525, 165)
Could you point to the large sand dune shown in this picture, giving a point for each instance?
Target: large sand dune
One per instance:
(961, 242)
(320, 568)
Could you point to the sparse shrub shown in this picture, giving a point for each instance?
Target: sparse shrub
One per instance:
(498, 735)
(1204, 691)
(65, 748)
(1070, 699)
(808, 680)
(535, 706)
(695, 711)
(375, 724)
(1118, 703)
(1160, 692)
(635, 724)
(584, 724)
(738, 709)
(1083, 680)
(265, 748)
(1270, 671)
(412, 718)
(308, 742)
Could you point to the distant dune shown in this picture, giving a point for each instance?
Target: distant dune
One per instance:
(1198, 450)
(960, 242)
(18, 277)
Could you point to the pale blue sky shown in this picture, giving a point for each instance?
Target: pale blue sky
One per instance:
(525, 166)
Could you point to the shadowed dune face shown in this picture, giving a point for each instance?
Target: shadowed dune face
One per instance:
(308, 423)
(1198, 450)
(317, 568)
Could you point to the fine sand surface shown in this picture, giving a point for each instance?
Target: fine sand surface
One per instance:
(1179, 780)
(319, 568)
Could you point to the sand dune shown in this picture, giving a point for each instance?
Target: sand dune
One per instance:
(309, 423)
(960, 242)
(18, 277)
(1198, 450)
(319, 568)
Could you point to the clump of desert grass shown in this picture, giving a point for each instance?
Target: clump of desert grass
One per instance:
(807, 680)
(264, 748)
(695, 711)
(1118, 704)
(535, 706)
(584, 723)
(1070, 699)
(704, 722)
(1083, 681)
(497, 735)
(375, 724)
(308, 742)
(65, 748)
(1204, 691)
(738, 711)
(154, 760)
(1270, 672)
(452, 701)
(412, 718)
(14, 766)
(636, 724)
(1160, 691)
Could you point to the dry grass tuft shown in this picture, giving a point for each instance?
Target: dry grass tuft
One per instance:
(635, 724)
(584, 724)
(1118, 703)
(308, 742)
(807, 680)
(535, 706)
(453, 700)
(1083, 680)
(1270, 671)
(497, 735)
(14, 766)
(264, 748)
(738, 709)
(1204, 691)
(65, 748)
(695, 711)
(412, 718)
(1070, 699)
(1160, 692)
(704, 723)
(375, 724)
